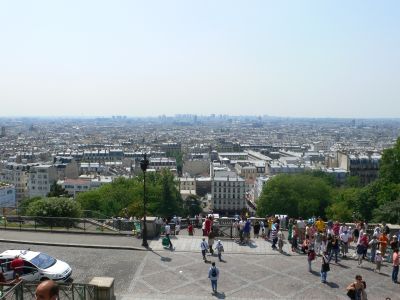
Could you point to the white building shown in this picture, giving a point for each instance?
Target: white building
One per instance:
(7, 195)
(41, 177)
(228, 194)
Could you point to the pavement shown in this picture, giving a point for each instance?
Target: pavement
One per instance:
(255, 271)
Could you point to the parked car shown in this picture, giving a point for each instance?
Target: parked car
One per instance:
(38, 266)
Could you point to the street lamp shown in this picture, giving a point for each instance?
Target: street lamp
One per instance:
(144, 163)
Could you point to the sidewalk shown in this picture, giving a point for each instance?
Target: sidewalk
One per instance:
(182, 243)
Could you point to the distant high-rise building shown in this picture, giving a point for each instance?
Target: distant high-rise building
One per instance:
(3, 131)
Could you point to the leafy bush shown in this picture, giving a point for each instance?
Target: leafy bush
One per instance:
(55, 211)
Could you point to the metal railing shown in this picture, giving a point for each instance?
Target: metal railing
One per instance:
(54, 224)
(74, 291)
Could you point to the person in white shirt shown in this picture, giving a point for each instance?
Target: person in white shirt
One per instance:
(204, 247)
(344, 242)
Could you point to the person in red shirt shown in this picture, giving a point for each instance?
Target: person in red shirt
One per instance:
(17, 264)
(190, 229)
(208, 225)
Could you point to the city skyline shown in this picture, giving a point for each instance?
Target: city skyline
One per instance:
(288, 59)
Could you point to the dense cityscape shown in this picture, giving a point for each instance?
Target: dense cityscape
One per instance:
(202, 151)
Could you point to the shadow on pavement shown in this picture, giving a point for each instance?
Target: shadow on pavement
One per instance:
(163, 258)
(332, 285)
(342, 266)
(219, 295)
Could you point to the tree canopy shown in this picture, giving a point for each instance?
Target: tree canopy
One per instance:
(125, 196)
(389, 168)
(297, 195)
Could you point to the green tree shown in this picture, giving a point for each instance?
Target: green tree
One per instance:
(389, 168)
(192, 205)
(388, 212)
(344, 204)
(25, 203)
(125, 196)
(295, 195)
(57, 190)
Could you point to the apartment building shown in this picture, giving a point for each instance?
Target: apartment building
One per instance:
(41, 177)
(16, 174)
(228, 194)
(162, 163)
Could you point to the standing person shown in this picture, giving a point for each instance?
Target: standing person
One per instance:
(301, 226)
(211, 237)
(335, 249)
(246, 231)
(310, 258)
(317, 242)
(190, 229)
(241, 234)
(204, 248)
(213, 275)
(17, 264)
(356, 234)
(344, 243)
(364, 242)
(208, 225)
(168, 233)
(383, 241)
(294, 239)
(378, 261)
(177, 227)
(324, 267)
(262, 226)
(356, 290)
(281, 237)
(320, 224)
(256, 229)
(274, 234)
(395, 263)
(290, 229)
(373, 244)
(220, 248)
(203, 227)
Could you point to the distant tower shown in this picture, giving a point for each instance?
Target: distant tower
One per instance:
(3, 131)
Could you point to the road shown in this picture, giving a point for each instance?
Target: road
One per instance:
(88, 263)
(163, 274)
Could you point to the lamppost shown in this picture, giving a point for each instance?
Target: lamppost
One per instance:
(144, 163)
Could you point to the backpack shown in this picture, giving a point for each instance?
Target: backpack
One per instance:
(214, 272)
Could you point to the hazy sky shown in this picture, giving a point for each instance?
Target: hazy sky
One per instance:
(141, 58)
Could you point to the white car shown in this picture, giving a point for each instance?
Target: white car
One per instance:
(37, 266)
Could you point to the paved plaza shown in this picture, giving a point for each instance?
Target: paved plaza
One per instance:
(248, 272)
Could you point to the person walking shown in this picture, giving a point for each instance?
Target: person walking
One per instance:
(274, 234)
(324, 267)
(220, 248)
(204, 248)
(213, 275)
(256, 229)
(356, 290)
(395, 263)
(378, 261)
